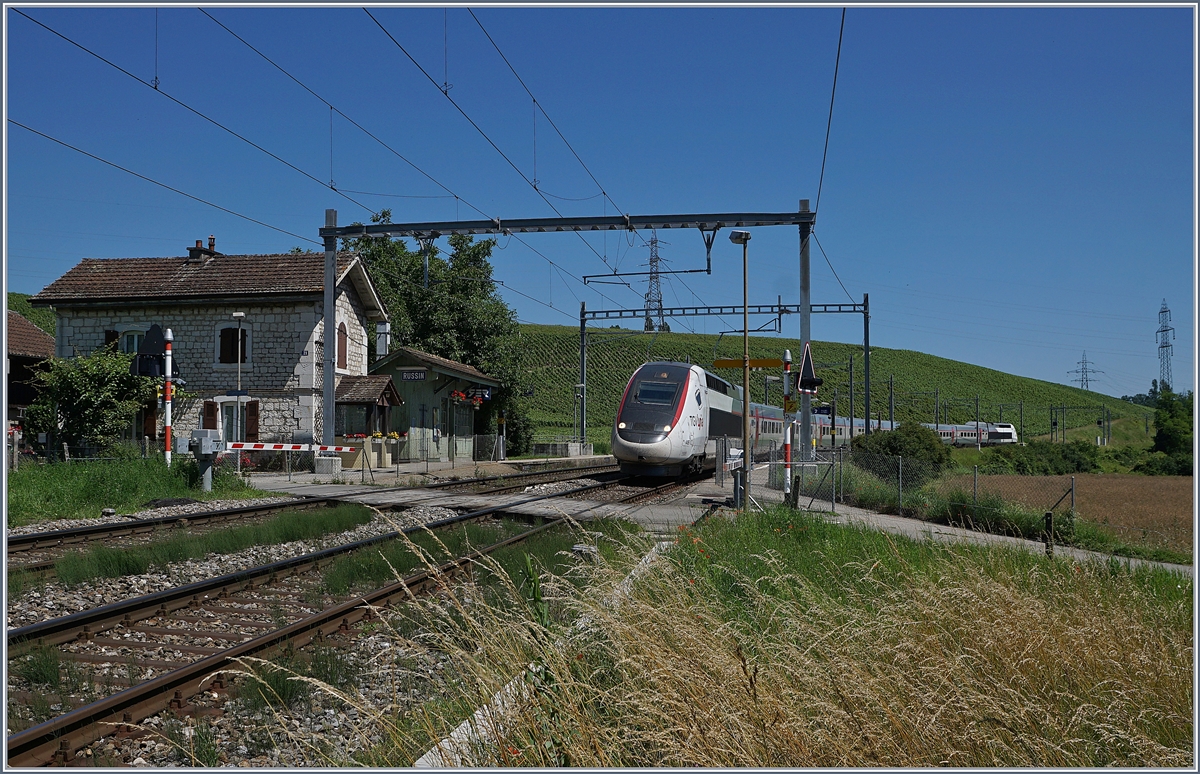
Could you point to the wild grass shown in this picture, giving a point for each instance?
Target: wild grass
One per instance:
(81, 490)
(781, 640)
(102, 561)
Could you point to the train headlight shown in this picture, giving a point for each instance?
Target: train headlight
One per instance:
(620, 425)
(666, 428)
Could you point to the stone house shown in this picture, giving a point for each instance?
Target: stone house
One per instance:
(102, 302)
(26, 345)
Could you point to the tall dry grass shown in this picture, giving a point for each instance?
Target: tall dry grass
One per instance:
(777, 641)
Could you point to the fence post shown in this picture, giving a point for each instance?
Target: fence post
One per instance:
(832, 485)
(1072, 496)
(66, 453)
(900, 485)
(975, 496)
(1048, 534)
(145, 446)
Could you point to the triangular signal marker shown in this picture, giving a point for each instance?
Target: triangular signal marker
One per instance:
(808, 381)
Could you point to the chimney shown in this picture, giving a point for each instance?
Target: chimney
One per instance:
(200, 252)
(383, 339)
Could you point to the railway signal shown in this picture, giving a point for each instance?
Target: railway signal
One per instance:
(808, 381)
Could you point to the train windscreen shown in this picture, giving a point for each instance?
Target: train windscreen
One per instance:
(661, 393)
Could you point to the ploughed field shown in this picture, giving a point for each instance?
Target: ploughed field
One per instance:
(1155, 510)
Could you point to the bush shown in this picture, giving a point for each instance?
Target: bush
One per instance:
(1042, 458)
(911, 441)
(1161, 464)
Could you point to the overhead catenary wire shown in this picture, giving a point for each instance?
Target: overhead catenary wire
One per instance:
(835, 274)
(385, 145)
(482, 133)
(829, 123)
(163, 185)
(193, 110)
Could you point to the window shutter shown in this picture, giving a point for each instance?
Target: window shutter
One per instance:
(342, 340)
(208, 415)
(252, 421)
(111, 338)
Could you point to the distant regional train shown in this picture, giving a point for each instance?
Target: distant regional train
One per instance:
(671, 415)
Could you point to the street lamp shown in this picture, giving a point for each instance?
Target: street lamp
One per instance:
(743, 238)
(237, 413)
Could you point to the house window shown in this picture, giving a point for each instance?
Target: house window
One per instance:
(351, 419)
(341, 345)
(228, 352)
(131, 340)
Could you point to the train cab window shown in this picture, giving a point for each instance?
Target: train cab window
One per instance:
(698, 400)
(658, 393)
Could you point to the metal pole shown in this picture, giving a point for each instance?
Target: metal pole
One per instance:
(237, 413)
(977, 430)
(851, 397)
(900, 485)
(329, 332)
(170, 337)
(867, 362)
(805, 333)
(833, 419)
(937, 407)
(583, 371)
(787, 426)
(747, 452)
(1021, 405)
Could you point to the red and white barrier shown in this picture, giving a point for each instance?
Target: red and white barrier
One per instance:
(288, 447)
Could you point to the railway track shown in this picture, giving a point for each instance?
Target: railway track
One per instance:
(36, 552)
(262, 610)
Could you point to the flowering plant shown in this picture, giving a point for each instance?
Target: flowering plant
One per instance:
(376, 434)
(355, 435)
(394, 435)
(458, 395)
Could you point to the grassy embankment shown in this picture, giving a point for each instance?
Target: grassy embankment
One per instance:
(781, 640)
(101, 561)
(551, 366)
(81, 490)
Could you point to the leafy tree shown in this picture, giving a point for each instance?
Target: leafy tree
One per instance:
(459, 315)
(1143, 398)
(1171, 453)
(90, 399)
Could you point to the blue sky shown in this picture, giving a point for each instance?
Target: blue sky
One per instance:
(1011, 186)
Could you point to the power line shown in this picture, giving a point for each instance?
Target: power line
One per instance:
(334, 108)
(163, 185)
(193, 110)
(367, 132)
(828, 124)
(835, 274)
(482, 133)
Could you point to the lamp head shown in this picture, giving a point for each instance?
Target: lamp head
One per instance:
(739, 237)
(238, 315)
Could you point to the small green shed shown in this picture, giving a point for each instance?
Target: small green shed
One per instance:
(440, 397)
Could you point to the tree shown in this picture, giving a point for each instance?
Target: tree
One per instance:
(459, 315)
(89, 399)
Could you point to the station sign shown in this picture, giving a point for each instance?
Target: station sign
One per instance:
(412, 374)
(823, 410)
(479, 392)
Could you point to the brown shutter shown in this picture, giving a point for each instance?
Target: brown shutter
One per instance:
(342, 342)
(252, 421)
(111, 338)
(208, 415)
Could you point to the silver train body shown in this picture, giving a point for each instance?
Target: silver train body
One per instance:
(671, 415)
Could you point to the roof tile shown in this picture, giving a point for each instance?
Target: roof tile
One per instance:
(26, 339)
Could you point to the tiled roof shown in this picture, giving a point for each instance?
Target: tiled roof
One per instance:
(444, 364)
(112, 279)
(26, 339)
(367, 389)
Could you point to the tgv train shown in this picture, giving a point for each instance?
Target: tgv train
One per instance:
(672, 413)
